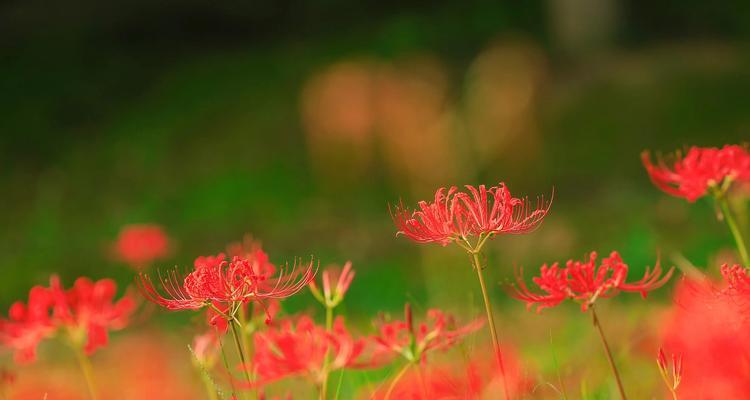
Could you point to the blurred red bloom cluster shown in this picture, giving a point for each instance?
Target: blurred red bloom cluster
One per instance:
(83, 313)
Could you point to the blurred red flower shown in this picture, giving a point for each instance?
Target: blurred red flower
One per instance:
(403, 338)
(86, 312)
(712, 333)
(140, 245)
(585, 282)
(479, 211)
(299, 348)
(691, 176)
(475, 380)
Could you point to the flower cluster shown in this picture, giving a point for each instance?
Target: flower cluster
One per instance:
(141, 244)
(699, 170)
(300, 348)
(456, 215)
(585, 282)
(85, 312)
(412, 342)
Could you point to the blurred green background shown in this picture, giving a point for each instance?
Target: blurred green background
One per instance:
(300, 122)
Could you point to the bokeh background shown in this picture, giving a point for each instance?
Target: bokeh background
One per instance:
(300, 122)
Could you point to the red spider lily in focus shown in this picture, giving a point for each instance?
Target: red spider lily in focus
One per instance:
(701, 169)
(335, 285)
(673, 375)
(86, 313)
(140, 245)
(585, 282)
(455, 215)
(215, 280)
(712, 333)
(414, 342)
(299, 349)
(476, 380)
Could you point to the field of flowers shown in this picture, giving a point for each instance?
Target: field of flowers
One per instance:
(245, 344)
(341, 200)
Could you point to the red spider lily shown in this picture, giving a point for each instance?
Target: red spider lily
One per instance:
(140, 245)
(585, 282)
(504, 214)
(28, 324)
(737, 280)
(701, 168)
(457, 215)
(673, 375)
(333, 294)
(300, 350)
(712, 333)
(86, 312)
(476, 380)
(438, 332)
(215, 280)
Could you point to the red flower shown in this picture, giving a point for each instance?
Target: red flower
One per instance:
(86, 312)
(701, 168)
(226, 284)
(140, 245)
(413, 342)
(28, 324)
(457, 215)
(585, 282)
(300, 349)
(737, 280)
(503, 213)
(336, 283)
(476, 380)
(712, 333)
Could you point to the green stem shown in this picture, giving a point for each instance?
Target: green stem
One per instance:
(734, 228)
(88, 373)
(396, 380)
(326, 359)
(491, 322)
(611, 360)
(238, 343)
(226, 365)
(245, 337)
(210, 389)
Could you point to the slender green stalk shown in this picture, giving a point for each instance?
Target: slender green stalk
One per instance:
(396, 380)
(611, 360)
(491, 322)
(210, 389)
(226, 365)
(734, 228)
(88, 373)
(238, 343)
(326, 359)
(246, 343)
